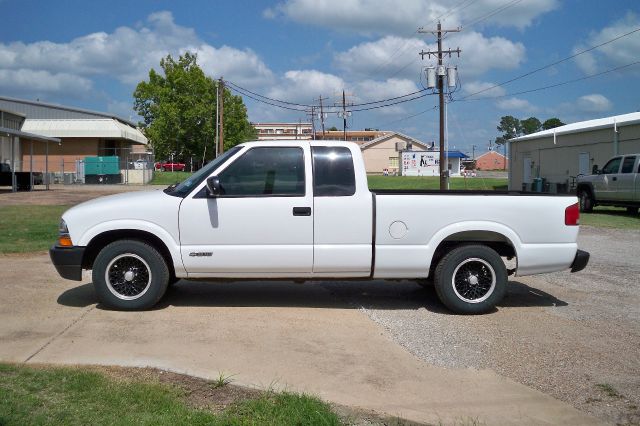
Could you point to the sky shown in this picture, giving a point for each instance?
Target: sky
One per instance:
(91, 54)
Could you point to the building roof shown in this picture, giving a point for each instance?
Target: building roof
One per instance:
(84, 128)
(490, 152)
(584, 126)
(389, 135)
(43, 110)
(19, 133)
(456, 154)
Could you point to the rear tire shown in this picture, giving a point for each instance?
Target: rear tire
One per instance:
(471, 279)
(130, 275)
(586, 201)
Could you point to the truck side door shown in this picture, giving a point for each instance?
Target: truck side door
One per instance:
(606, 183)
(343, 209)
(261, 224)
(626, 179)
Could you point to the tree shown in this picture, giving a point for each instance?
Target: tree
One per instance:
(333, 129)
(178, 108)
(551, 123)
(530, 125)
(510, 128)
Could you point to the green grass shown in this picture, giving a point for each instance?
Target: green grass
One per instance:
(610, 217)
(433, 182)
(167, 178)
(55, 396)
(29, 228)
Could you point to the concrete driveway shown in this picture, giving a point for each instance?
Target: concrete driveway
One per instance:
(282, 335)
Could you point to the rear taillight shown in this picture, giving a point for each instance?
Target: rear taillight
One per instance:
(572, 215)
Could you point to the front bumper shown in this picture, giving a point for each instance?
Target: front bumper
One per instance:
(580, 261)
(68, 261)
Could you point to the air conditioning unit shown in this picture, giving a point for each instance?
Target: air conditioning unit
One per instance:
(401, 146)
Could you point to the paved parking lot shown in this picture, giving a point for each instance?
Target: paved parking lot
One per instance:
(300, 337)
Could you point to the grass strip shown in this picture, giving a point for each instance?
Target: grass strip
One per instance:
(52, 396)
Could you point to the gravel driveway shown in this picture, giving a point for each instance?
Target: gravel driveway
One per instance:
(574, 336)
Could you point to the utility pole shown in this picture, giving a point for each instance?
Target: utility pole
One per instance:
(473, 152)
(444, 172)
(344, 113)
(221, 117)
(322, 114)
(313, 122)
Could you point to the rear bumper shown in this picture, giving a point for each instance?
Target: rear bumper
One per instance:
(68, 261)
(580, 261)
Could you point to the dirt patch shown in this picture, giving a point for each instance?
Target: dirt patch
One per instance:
(66, 194)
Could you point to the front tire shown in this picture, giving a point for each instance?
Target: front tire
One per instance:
(471, 279)
(586, 201)
(130, 275)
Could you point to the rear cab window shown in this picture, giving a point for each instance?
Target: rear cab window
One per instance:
(333, 172)
(627, 164)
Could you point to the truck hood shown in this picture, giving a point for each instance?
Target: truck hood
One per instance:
(128, 209)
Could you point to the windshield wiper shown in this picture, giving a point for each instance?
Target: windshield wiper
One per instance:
(170, 188)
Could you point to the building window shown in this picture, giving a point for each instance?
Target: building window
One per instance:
(393, 162)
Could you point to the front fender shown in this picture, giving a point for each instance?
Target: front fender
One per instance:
(139, 225)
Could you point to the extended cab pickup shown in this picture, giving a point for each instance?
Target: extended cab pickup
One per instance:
(617, 184)
(303, 210)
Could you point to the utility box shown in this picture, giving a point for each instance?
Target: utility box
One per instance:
(102, 170)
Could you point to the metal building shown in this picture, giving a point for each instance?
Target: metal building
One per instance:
(82, 133)
(559, 155)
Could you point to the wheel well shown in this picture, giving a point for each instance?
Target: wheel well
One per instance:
(586, 188)
(101, 240)
(498, 242)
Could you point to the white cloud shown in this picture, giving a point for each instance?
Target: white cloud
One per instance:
(126, 55)
(620, 52)
(393, 56)
(396, 16)
(486, 88)
(303, 86)
(33, 83)
(593, 103)
(516, 104)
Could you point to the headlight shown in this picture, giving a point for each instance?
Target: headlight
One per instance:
(62, 228)
(64, 239)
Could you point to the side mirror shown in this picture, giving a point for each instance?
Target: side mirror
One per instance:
(594, 170)
(213, 186)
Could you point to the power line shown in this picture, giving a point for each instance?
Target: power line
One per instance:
(409, 116)
(492, 13)
(550, 86)
(240, 89)
(553, 63)
(266, 97)
(393, 103)
(267, 102)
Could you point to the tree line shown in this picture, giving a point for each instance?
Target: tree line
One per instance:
(512, 127)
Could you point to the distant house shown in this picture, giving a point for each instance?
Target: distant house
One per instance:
(384, 152)
(283, 131)
(491, 160)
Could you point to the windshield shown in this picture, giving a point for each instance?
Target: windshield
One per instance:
(183, 188)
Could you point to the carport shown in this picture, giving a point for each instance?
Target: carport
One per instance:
(14, 137)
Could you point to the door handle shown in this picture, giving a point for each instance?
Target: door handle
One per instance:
(302, 211)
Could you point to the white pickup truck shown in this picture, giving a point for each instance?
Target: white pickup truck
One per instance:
(302, 210)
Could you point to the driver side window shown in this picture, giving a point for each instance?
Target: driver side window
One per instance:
(265, 172)
(612, 166)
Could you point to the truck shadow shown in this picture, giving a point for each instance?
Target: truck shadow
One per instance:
(321, 294)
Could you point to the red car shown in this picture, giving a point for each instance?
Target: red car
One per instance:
(170, 166)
